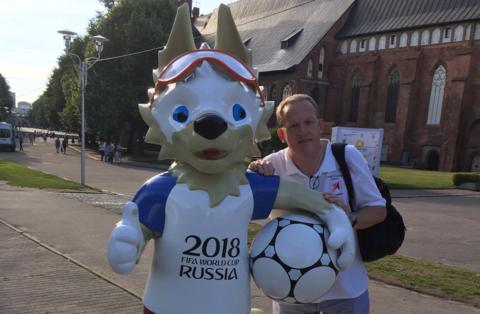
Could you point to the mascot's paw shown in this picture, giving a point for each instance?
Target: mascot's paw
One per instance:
(126, 241)
(256, 311)
(341, 235)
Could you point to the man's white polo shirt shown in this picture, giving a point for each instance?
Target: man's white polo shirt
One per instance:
(352, 282)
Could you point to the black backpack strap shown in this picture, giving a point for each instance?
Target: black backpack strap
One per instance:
(338, 150)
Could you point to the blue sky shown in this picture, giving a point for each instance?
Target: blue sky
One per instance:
(30, 44)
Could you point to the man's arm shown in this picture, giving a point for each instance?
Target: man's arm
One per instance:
(362, 218)
(369, 216)
(370, 204)
(295, 196)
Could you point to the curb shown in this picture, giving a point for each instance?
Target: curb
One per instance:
(126, 162)
(86, 154)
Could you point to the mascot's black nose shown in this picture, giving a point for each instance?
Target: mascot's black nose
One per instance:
(210, 126)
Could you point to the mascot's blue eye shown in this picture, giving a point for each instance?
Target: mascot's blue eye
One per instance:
(238, 112)
(180, 114)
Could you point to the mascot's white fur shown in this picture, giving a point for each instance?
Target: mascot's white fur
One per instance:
(206, 111)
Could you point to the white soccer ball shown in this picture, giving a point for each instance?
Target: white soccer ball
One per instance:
(290, 261)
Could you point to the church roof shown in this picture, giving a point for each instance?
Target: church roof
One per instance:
(377, 16)
(280, 33)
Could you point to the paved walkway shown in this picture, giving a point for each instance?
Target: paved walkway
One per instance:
(36, 280)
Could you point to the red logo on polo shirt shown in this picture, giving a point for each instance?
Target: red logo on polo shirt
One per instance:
(335, 186)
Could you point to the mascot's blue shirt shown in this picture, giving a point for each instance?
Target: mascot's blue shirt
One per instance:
(152, 197)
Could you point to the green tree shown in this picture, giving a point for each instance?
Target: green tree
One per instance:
(109, 3)
(69, 87)
(46, 110)
(38, 115)
(116, 86)
(6, 100)
(70, 115)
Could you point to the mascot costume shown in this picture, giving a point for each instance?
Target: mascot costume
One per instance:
(207, 111)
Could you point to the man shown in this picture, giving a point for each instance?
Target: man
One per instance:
(20, 141)
(57, 144)
(65, 144)
(101, 149)
(308, 159)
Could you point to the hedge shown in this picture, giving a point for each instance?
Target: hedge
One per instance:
(460, 178)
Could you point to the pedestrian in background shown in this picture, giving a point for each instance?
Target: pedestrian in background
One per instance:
(65, 144)
(108, 152)
(116, 153)
(20, 141)
(57, 144)
(101, 149)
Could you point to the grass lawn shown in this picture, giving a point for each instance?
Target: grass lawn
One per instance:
(448, 282)
(148, 157)
(404, 178)
(396, 177)
(19, 175)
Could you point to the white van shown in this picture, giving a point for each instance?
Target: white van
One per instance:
(7, 136)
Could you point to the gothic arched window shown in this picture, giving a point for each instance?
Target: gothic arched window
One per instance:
(425, 39)
(310, 68)
(344, 47)
(436, 95)
(477, 32)
(468, 32)
(414, 39)
(458, 35)
(321, 61)
(355, 98)
(447, 35)
(392, 96)
(382, 42)
(372, 44)
(287, 91)
(436, 35)
(353, 46)
(403, 40)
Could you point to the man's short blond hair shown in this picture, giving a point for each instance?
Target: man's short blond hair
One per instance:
(280, 112)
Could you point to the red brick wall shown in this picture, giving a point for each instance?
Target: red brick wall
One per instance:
(452, 139)
(410, 132)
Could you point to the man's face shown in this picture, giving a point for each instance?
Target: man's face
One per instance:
(302, 129)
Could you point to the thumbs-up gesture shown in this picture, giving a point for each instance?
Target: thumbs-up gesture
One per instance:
(126, 241)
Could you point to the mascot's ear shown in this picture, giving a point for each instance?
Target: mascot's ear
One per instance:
(228, 39)
(179, 41)
(262, 133)
(154, 135)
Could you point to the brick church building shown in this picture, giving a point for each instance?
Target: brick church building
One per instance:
(411, 67)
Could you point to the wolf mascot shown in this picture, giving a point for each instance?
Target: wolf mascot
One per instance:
(206, 112)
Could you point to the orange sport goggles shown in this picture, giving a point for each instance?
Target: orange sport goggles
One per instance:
(179, 67)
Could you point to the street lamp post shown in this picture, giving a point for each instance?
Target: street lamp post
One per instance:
(82, 67)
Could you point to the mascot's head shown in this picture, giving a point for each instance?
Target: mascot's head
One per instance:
(206, 110)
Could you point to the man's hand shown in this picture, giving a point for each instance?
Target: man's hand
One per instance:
(262, 166)
(126, 241)
(335, 200)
